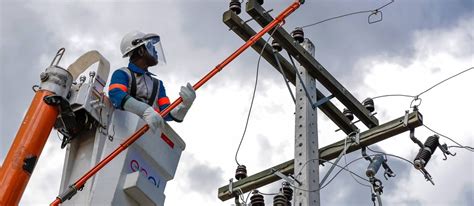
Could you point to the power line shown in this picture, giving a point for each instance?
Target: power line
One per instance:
(246, 199)
(335, 161)
(444, 81)
(301, 80)
(345, 161)
(357, 159)
(374, 151)
(373, 12)
(253, 94)
(469, 148)
(417, 97)
(326, 161)
(344, 168)
(393, 95)
(462, 147)
(268, 194)
(284, 76)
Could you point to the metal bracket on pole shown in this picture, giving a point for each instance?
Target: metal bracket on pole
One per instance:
(356, 137)
(292, 181)
(405, 120)
(230, 185)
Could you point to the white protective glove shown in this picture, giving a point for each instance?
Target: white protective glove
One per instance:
(153, 119)
(147, 113)
(188, 95)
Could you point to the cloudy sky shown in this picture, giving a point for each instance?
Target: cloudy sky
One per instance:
(418, 44)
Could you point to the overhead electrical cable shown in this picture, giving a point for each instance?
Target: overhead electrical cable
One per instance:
(444, 80)
(345, 161)
(284, 76)
(345, 168)
(468, 148)
(253, 95)
(372, 12)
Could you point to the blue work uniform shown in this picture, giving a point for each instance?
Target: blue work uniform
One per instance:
(121, 84)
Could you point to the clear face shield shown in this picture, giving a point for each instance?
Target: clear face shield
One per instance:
(153, 46)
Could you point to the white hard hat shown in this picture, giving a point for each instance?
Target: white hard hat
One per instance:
(135, 39)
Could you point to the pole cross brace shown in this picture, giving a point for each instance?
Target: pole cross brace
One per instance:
(322, 101)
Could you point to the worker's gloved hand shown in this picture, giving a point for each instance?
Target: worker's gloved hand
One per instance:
(147, 113)
(153, 119)
(188, 95)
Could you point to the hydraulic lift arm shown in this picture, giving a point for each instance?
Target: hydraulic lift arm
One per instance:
(48, 106)
(33, 132)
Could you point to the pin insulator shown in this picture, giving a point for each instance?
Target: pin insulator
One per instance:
(348, 114)
(235, 6)
(298, 34)
(280, 200)
(241, 172)
(369, 104)
(287, 191)
(276, 45)
(257, 199)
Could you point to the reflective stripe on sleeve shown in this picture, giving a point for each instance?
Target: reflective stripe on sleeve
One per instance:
(163, 100)
(118, 86)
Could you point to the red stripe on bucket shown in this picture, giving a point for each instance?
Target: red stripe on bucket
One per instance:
(167, 140)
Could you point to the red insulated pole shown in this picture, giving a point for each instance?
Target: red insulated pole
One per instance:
(72, 190)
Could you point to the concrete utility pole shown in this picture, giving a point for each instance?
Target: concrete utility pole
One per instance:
(306, 137)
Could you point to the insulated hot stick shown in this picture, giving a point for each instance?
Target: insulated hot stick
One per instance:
(72, 189)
